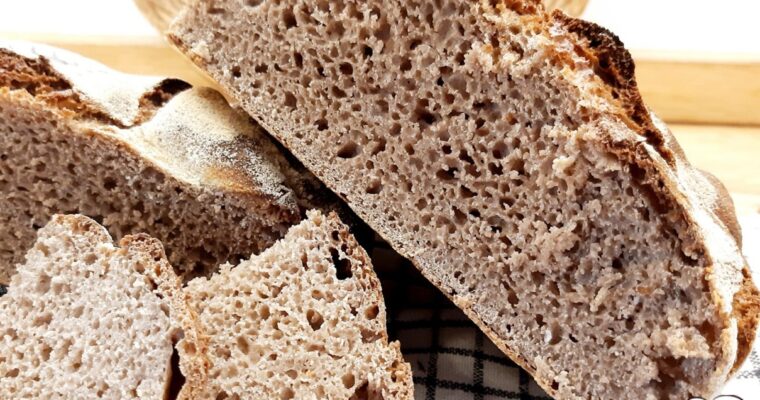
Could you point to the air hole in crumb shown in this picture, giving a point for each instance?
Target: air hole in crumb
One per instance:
(372, 312)
(253, 3)
(346, 69)
(422, 115)
(367, 52)
(290, 100)
(379, 146)
(406, 65)
(109, 183)
(348, 380)
(289, 19)
(466, 192)
(375, 186)
(446, 175)
(395, 129)
(321, 124)
(236, 72)
(617, 263)
(349, 150)
(243, 344)
(298, 59)
(315, 319)
(342, 265)
(287, 394)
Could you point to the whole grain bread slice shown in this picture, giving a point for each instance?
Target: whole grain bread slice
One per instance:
(304, 319)
(86, 319)
(506, 151)
(138, 154)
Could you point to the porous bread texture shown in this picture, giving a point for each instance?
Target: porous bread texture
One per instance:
(507, 153)
(85, 319)
(138, 155)
(305, 319)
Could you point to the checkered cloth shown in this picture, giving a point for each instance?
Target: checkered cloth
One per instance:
(452, 360)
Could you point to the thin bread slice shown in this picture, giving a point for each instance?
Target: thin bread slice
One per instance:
(84, 319)
(304, 319)
(507, 152)
(138, 154)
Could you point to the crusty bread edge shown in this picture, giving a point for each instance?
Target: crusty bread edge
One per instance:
(673, 161)
(404, 372)
(97, 123)
(659, 163)
(194, 364)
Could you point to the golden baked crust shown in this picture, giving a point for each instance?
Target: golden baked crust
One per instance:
(615, 66)
(449, 136)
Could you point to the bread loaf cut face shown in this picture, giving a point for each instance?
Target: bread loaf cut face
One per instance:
(304, 319)
(85, 319)
(138, 154)
(505, 151)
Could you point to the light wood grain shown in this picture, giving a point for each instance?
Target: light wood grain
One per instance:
(730, 153)
(701, 88)
(682, 88)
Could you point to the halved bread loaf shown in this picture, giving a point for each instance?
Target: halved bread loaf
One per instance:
(304, 319)
(138, 154)
(85, 319)
(506, 151)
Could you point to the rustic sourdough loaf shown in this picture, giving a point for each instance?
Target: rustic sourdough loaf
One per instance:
(84, 319)
(506, 151)
(304, 319)
(138, 154)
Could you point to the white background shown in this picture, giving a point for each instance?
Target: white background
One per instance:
(714, 26)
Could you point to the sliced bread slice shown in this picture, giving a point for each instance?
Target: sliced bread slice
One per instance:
(507, 152)
(84, 319)
(304, 319)
(138, 154)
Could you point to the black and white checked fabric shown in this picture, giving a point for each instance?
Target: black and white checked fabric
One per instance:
(452, 360)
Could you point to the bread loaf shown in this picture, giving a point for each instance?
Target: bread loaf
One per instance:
(304, 319)
(85, 319)
(138, 154)
(507, 152)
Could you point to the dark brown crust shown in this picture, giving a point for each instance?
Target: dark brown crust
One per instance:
(41, 80)
(747, 312)
(615, 66)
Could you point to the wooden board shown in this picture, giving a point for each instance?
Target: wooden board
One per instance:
(701, 88)
(683, 88)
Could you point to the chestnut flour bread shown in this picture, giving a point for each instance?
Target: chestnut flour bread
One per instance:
(305, 319)
(507, 152)
(85, 319)
(139, 154)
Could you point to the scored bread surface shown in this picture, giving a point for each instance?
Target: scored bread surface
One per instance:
(506, 151)
(86, 319)
(138, 154)
(305, 319)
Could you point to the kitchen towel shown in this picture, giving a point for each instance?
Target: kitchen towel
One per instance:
(452, 360)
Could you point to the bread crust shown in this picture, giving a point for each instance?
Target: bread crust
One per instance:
(39, 78)
(614, 65)
(700, 208)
